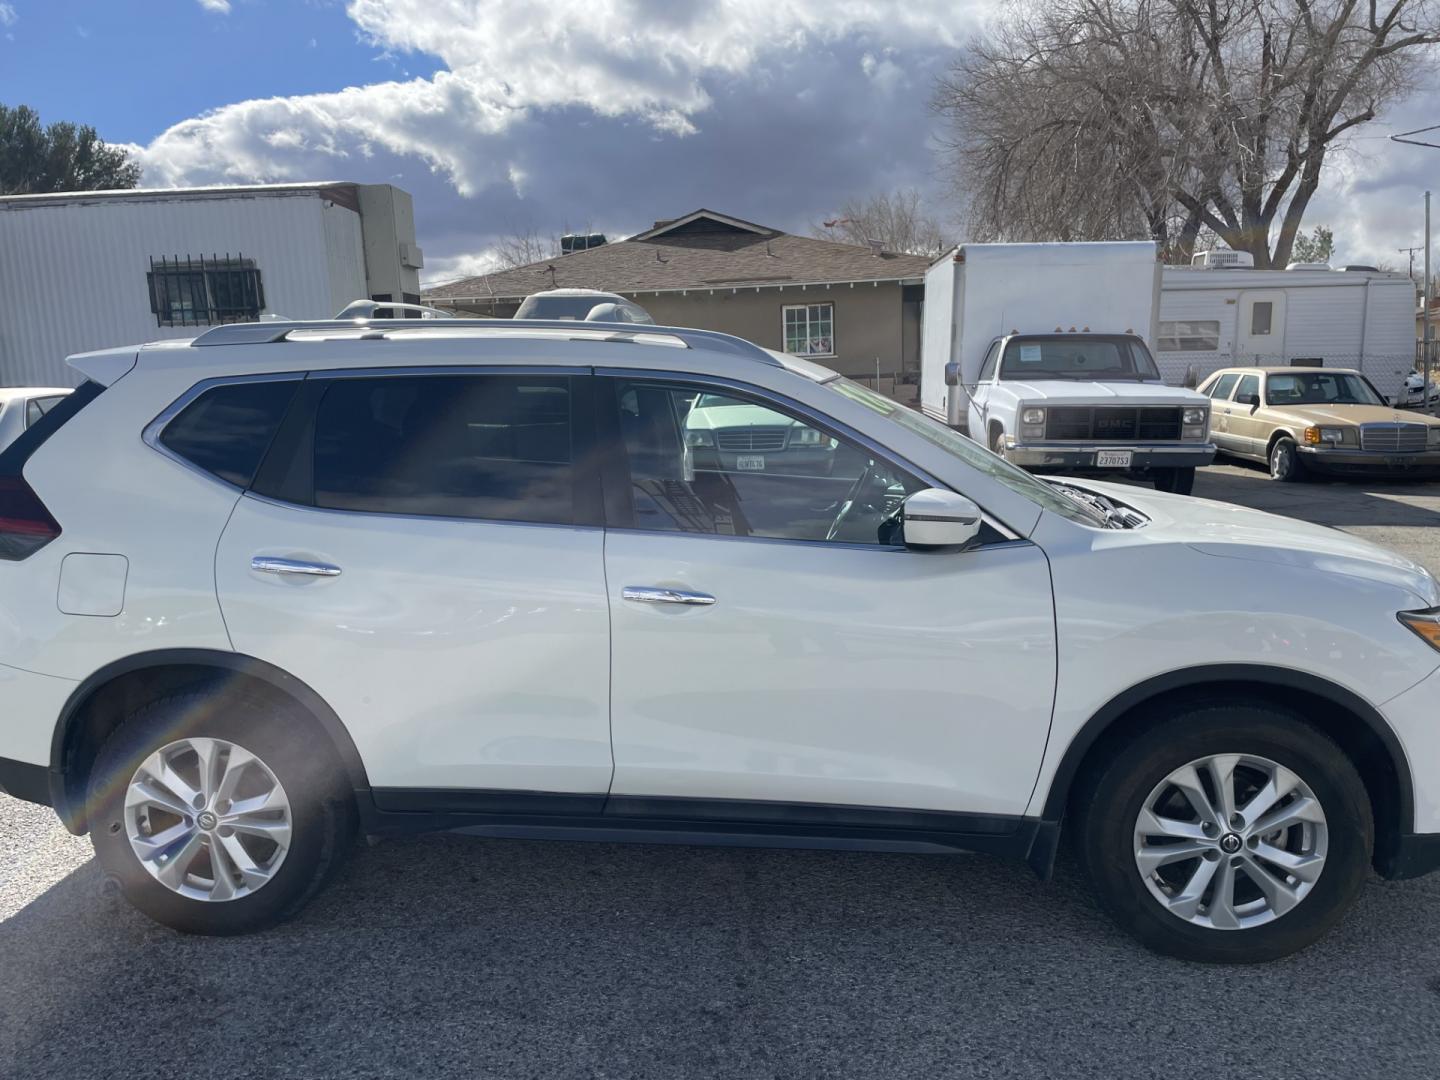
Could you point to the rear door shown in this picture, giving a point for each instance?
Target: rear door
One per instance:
(424, 551)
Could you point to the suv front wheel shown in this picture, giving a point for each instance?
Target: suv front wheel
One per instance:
(215, 814)
(1227, 834)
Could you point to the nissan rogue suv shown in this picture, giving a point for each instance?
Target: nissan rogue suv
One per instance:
(288, 582)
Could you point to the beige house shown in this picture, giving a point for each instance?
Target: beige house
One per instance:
(855, 309)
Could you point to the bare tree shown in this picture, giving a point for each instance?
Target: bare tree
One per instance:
(1108, 119)
(524, 246)
(897, 221)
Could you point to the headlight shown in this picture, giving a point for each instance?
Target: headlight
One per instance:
(1032, 431)
(1433, 439)
(1324, 436)
(1426, 624)
(1192, 417)
(1197, 432)
(699, 438)
(1033, 416)
(805, 436)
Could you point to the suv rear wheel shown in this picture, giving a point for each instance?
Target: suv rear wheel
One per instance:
(214, 815)
(1226, 834)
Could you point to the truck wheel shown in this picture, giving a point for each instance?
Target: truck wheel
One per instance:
(1226, 833)
(214, 813)
(997, 441)
(1178, 481)
(1285, 464)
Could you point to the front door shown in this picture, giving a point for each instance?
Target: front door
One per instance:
(771, 643)
(1260, 331)
(425, 553)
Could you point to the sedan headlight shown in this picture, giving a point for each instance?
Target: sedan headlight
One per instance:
(1433, 438)
(1324, 436)
(1193, 417)
(1425, 624)
(805, 436)
(699, 438)
(1033, 416)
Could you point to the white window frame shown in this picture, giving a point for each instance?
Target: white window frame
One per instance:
(1174, 341)
(785, 310)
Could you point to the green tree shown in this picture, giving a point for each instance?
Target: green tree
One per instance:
(1316, 248)
(59, 157)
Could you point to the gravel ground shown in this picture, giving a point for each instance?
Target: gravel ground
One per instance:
(451, 956)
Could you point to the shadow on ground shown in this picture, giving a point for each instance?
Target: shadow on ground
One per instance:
(451, 956)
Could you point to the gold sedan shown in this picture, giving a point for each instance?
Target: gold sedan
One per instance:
(1331, 420)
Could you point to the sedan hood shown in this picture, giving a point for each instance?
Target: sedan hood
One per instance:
(1227, 531)
(1087, 392)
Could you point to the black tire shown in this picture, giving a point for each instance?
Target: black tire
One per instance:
(1285, 463)
(322, 813)
(1177, 481)
(1107, 807)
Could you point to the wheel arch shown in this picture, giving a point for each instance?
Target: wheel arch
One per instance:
(1276, 436)
(100, 703)
(1359, 728)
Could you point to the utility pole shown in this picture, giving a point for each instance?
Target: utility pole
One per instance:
(1425, 404)
(1411, 252)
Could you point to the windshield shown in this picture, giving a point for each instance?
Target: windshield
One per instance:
(1319, 388)
(968, 451)
(1076, 356)
(559, 307)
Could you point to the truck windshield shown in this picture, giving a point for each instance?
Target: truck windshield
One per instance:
(1077, 356)
(1319, 388)
(952, 442)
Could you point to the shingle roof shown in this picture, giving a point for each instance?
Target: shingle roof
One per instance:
(697, 251)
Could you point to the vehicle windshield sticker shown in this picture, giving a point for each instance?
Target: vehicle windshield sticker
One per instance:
(1031, 354)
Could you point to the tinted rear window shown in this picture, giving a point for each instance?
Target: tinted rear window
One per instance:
(468, 446)
(226, 430)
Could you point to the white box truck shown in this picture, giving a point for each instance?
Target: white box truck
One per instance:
(1042, 353)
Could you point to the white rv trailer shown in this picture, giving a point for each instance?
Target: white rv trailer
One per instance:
(1214, 318)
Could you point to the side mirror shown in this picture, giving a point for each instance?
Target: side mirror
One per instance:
(1253, 400)
(952, 374)
(935, 518)
(1192, 377)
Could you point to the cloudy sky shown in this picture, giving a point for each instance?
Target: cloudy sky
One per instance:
(505, 115)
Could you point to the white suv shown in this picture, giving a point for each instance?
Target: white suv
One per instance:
(291, 580)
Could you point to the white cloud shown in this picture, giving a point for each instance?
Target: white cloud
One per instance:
(220, 7)
(644, 60)
(8, 15)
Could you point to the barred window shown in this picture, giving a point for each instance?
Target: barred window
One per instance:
(1195, 335)
(204, 292)
(810, 329)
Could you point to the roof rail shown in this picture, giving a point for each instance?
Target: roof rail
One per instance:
(260, 333)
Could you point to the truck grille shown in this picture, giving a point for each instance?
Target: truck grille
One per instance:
(1110, 423)
(751, 440)
(1393, 438)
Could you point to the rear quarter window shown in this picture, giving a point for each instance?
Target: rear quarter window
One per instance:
(227, 429)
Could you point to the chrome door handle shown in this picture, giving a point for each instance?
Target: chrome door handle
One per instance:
(270, 564)
(648, 594)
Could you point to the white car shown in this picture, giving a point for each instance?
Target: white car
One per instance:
(583, 305)
(22, 406)
(1087, 403)
(288, 581)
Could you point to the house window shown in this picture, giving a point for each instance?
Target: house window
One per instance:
(203, 292)
(1195, 335)
(810, 329)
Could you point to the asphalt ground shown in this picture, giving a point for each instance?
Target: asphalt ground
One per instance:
(453, 956)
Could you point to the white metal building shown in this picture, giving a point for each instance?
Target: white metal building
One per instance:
(86, 270)
(1213, 318)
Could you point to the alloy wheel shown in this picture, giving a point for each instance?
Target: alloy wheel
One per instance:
(207, 819)
(1230, 841)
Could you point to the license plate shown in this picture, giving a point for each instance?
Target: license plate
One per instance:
(1398, 462)
(1112, 459)
(750, 463)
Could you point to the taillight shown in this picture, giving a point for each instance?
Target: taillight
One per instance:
(25, 525)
